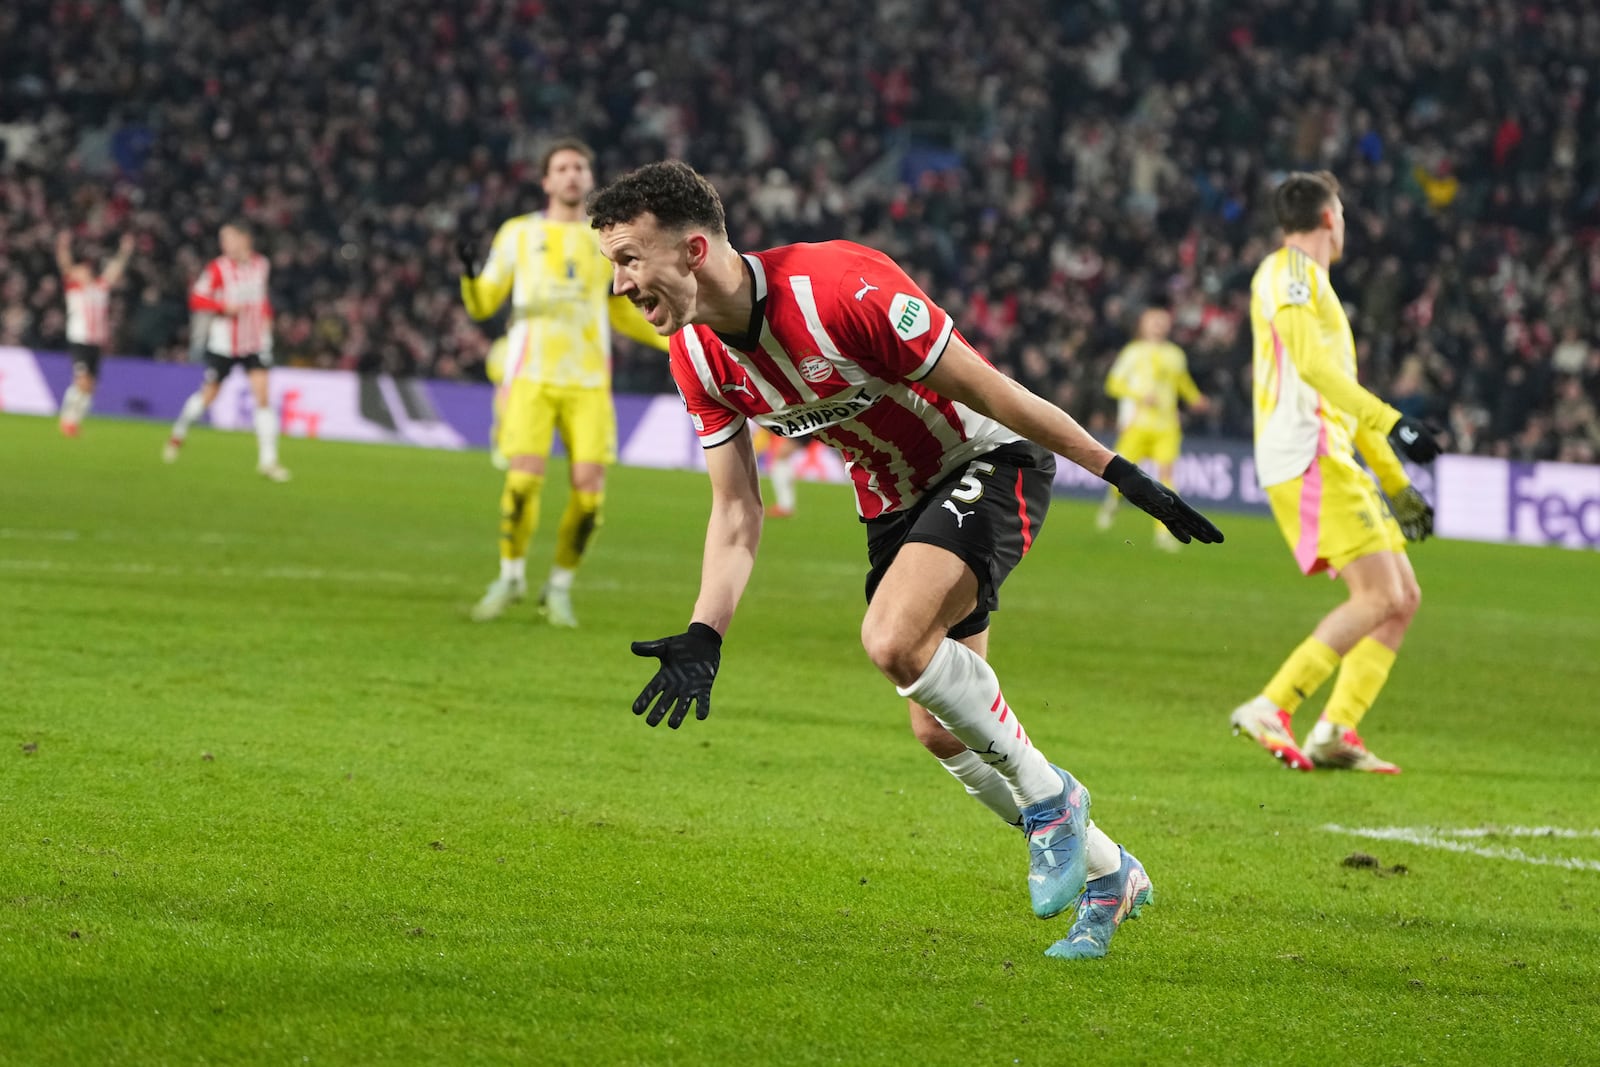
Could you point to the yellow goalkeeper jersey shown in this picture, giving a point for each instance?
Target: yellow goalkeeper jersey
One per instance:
(562, 310)
(1147, 380)
(1308, 402)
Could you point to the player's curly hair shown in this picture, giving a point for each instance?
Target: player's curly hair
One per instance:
(674, 192)
(1298, 201)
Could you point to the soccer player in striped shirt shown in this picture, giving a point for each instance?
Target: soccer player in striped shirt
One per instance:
(952, 466)
(557, 377)
(1311, 416)
(232, 291)
(88, 323)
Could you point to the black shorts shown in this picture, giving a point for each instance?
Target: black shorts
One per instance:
(85, 359)
(987, 513)
(219, 367)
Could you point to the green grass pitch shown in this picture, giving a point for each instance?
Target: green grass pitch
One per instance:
(268, 797)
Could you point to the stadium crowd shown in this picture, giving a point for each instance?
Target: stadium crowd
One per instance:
(1046, 169)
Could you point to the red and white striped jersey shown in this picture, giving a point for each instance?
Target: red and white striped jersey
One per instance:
(88, 313)
(243, 287)
(838, 344)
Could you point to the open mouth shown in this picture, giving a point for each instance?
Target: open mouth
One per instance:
(648, 305)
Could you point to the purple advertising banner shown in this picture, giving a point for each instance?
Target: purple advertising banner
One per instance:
(1477, 498)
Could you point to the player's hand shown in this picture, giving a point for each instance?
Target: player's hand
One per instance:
(1414, 440)
(467, 252)
(1153, 498)
(1413, 512)
(689, 664)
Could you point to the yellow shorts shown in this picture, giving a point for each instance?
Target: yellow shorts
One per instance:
(1332, 515)
(1136, 445)
(584, 418)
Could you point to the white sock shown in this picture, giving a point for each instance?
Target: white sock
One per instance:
(1104, 855)
(984, 784)
(81, 410)
(962, 692)
(514, 570)
(561, 578)
(193, 408)
(70, 404)
(267, 436)
(781, 471)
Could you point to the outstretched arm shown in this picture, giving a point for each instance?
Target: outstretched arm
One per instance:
(689, 660)
(63, 252)
(119, 262)
(964, 376)
(733, 534)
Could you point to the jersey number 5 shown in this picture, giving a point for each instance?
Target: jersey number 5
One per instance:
(971, 489)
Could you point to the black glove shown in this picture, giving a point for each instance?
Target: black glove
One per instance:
(467, 252)
(1153, 498)
(1413, 512)
(688, 667)
(1414, 441)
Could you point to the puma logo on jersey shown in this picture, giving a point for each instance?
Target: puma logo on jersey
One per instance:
(866, 287)
(738, 387)
(961, 516)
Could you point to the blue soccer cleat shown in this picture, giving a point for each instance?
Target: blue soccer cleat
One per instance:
(1109, 900)
(1058, 854)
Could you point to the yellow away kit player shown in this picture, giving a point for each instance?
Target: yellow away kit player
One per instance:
(1149, 377)
(557, 376)
(1311, 415)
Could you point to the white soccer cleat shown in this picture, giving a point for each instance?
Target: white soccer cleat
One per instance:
(1166, 542)
(169, 451)
(273, 472)
(1268, 726)
(1340, 748)
(502, 593)
(557, 607)
(1104, 518)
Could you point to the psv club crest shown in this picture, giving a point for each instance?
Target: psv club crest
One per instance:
(815, 369)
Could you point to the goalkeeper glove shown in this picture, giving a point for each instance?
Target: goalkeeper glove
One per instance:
(467, 252)
(1153, 498)
(689, 664)
(1414, 440)
(1413, 512)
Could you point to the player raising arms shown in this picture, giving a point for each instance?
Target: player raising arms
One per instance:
(952, 467)
(1310, 416)
(232, 291)
(558, 373)
(88, 323)
(1147, 379)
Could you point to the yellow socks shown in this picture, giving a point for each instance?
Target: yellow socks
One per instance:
(1302, 674)
(519, 513)
(1366, 667)
(578, 524)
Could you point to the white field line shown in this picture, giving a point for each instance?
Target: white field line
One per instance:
(1450, 840)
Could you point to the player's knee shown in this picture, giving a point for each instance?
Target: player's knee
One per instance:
(893, 651)
(1410, 600)
(527, 464)
(1383, 601)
